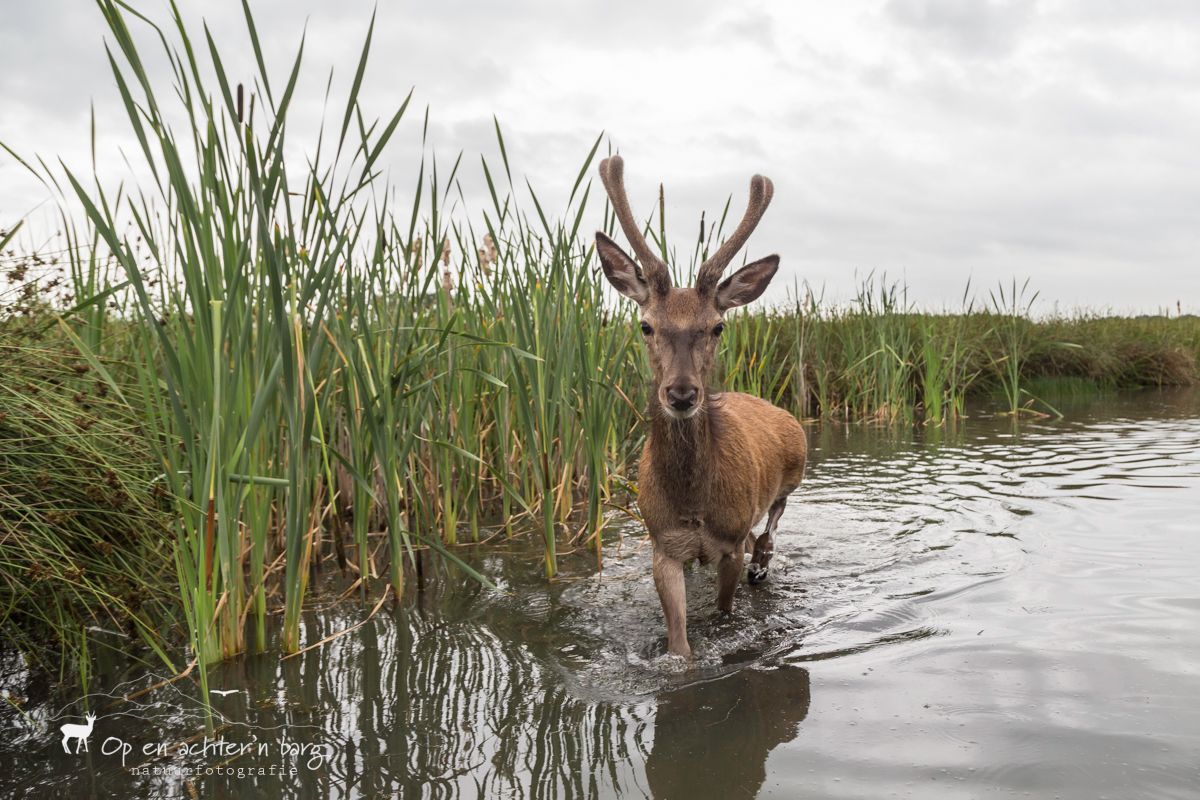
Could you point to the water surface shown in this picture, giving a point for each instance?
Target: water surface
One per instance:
(988, 611)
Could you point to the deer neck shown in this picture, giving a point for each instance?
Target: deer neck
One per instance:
(682, 454)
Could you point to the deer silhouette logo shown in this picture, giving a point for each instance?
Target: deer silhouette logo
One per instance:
(79, 732)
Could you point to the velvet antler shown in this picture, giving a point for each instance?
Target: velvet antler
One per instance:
(761, 191)
(612, 172)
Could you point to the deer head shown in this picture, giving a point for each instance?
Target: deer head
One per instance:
(681, 326)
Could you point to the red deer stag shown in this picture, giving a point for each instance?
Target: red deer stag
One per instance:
(713, 464)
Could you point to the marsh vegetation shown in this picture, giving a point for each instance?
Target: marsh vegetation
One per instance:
(254, 370)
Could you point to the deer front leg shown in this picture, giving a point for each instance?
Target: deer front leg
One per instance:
(764, 546)
(668, 580)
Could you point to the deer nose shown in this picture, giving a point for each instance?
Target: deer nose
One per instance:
(682, 397)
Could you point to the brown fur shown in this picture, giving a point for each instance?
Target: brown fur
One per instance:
(704, 482)
(713, 468)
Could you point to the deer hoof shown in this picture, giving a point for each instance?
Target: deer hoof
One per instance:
(756, 574)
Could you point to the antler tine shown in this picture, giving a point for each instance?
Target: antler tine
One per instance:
(761, 191)
(612, 172)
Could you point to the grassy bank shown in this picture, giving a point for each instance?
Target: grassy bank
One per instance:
(83, 521)
(288, 368)
(878, 359)
(86, 520)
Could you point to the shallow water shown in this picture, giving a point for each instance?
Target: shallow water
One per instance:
(989, 611)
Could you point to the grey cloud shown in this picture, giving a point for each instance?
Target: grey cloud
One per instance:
(43, 51)
(755, 26)
(987, 28)
(1117, 67)
(1123, 14)
(935, 139)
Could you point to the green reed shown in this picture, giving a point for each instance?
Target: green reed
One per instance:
(305, 346)
(1012, 333)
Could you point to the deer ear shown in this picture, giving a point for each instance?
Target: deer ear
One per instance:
(746, 284)
(620, 270)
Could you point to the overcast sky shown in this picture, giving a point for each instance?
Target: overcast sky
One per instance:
(936, 140)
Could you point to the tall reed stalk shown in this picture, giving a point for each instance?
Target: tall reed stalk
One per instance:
(1012, 332)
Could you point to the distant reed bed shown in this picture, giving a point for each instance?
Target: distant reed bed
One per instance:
(252, 369)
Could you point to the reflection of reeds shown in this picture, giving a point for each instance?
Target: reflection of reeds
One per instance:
(316, 372)
(462, 712)
(527, 735)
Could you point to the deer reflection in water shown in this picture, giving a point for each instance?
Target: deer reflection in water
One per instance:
(712, 739)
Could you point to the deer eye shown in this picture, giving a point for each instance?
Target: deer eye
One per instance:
(717, 330)
(646, 329)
